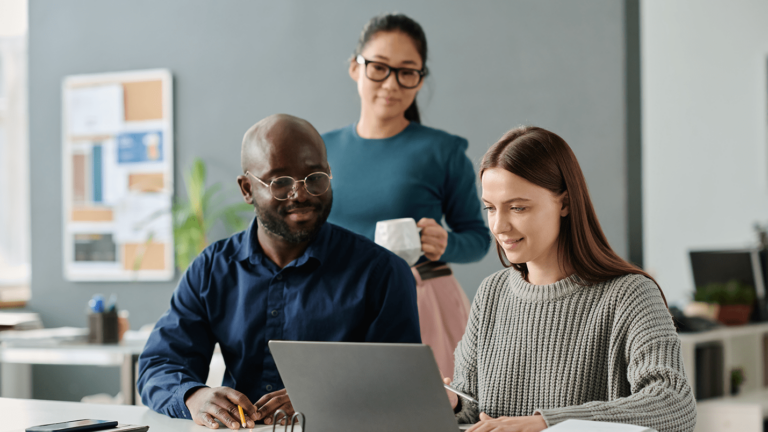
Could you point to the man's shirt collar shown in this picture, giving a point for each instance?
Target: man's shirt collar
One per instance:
(251, 250)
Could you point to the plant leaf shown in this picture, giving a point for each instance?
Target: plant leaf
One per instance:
(193, 219)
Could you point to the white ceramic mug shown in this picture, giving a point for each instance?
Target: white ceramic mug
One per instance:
(401, 236)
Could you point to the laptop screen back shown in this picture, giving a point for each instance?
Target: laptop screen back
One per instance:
(364, 386)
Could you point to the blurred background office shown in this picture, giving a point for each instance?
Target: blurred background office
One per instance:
(664, 103)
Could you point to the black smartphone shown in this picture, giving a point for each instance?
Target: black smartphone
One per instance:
(75, 426)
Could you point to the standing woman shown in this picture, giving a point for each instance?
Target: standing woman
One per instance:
(389, 166)
(570, 330)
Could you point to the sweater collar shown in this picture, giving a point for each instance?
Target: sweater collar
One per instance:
(525, 290)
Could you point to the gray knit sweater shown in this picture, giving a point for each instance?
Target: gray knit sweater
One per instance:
(605, 352)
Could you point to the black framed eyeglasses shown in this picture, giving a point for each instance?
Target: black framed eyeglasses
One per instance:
(282, 188)
(377, 71)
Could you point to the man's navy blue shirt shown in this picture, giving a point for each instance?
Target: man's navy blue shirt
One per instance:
(343, 288)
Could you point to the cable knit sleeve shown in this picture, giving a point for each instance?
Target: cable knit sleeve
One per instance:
(646, 347)
(465, 376)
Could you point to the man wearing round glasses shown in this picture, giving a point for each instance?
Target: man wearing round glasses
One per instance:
(289, 276)
(285, 188)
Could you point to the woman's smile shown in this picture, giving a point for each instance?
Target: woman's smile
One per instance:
(511, 244)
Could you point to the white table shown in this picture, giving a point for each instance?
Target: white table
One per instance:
(744, 413)
(76, 352)
(20, 353)
(19, 414)
(744, 347)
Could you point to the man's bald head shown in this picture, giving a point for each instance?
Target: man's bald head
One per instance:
(285, 146)
(277, 130)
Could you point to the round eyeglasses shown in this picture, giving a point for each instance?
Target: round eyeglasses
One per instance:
(283, 188)
(377, 71)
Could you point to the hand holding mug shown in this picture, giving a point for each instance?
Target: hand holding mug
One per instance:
(434, 238)
(400, 236)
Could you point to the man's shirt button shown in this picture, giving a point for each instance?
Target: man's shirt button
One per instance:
(269, 387)
(275, 312)
(279, 277)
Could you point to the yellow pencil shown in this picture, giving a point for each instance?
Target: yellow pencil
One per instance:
(242, 416)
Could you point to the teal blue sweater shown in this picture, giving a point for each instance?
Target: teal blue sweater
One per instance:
(420, 172)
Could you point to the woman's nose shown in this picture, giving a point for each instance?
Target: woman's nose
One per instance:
(499, 225)
(391, 81)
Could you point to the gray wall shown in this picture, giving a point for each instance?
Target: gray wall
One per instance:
(496, 65)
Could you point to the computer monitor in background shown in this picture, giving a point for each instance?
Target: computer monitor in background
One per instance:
(748, 266)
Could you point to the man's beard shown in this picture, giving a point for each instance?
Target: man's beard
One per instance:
(274, 223)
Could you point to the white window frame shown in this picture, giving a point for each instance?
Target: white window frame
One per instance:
(15, 257)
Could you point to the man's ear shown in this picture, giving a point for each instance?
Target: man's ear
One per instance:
(565, 204)
(245, 188)
(353, 70)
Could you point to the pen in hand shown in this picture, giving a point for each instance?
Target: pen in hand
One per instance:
(242, 415)
(462, 394)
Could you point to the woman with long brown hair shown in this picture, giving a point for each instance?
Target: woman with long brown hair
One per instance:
(569, 330)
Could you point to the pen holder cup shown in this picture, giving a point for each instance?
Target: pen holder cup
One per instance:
(102, 328)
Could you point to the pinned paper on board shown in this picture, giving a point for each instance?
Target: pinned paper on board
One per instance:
(146, 182)
(92, 214)
(141, 216)
(144, 256)
(79, 172)
(88, 179)
(118, 176)
(115, 179)
(143, 100)
(95, 110)
(140, 147)
(95, 247)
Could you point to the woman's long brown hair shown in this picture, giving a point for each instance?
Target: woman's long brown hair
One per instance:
(544, 159)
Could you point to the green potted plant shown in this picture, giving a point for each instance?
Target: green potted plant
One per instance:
(193, 219)
(735, 300)
(737, 378)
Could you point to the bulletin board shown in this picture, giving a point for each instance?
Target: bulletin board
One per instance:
(117, 138)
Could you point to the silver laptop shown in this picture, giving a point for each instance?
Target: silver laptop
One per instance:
(350, 387)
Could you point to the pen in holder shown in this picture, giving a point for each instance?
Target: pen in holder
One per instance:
(103, 325)
(294, 420)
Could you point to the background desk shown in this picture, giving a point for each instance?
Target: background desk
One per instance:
(20, 414)
(17, 355)
(745, 347)
(125, 355)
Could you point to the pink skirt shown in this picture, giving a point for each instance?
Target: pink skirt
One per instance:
(443, 315)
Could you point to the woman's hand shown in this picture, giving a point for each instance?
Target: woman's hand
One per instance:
(452, 397)
(434, 238)
(534, 423)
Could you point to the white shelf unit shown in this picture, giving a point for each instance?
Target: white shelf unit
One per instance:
(745, 347)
